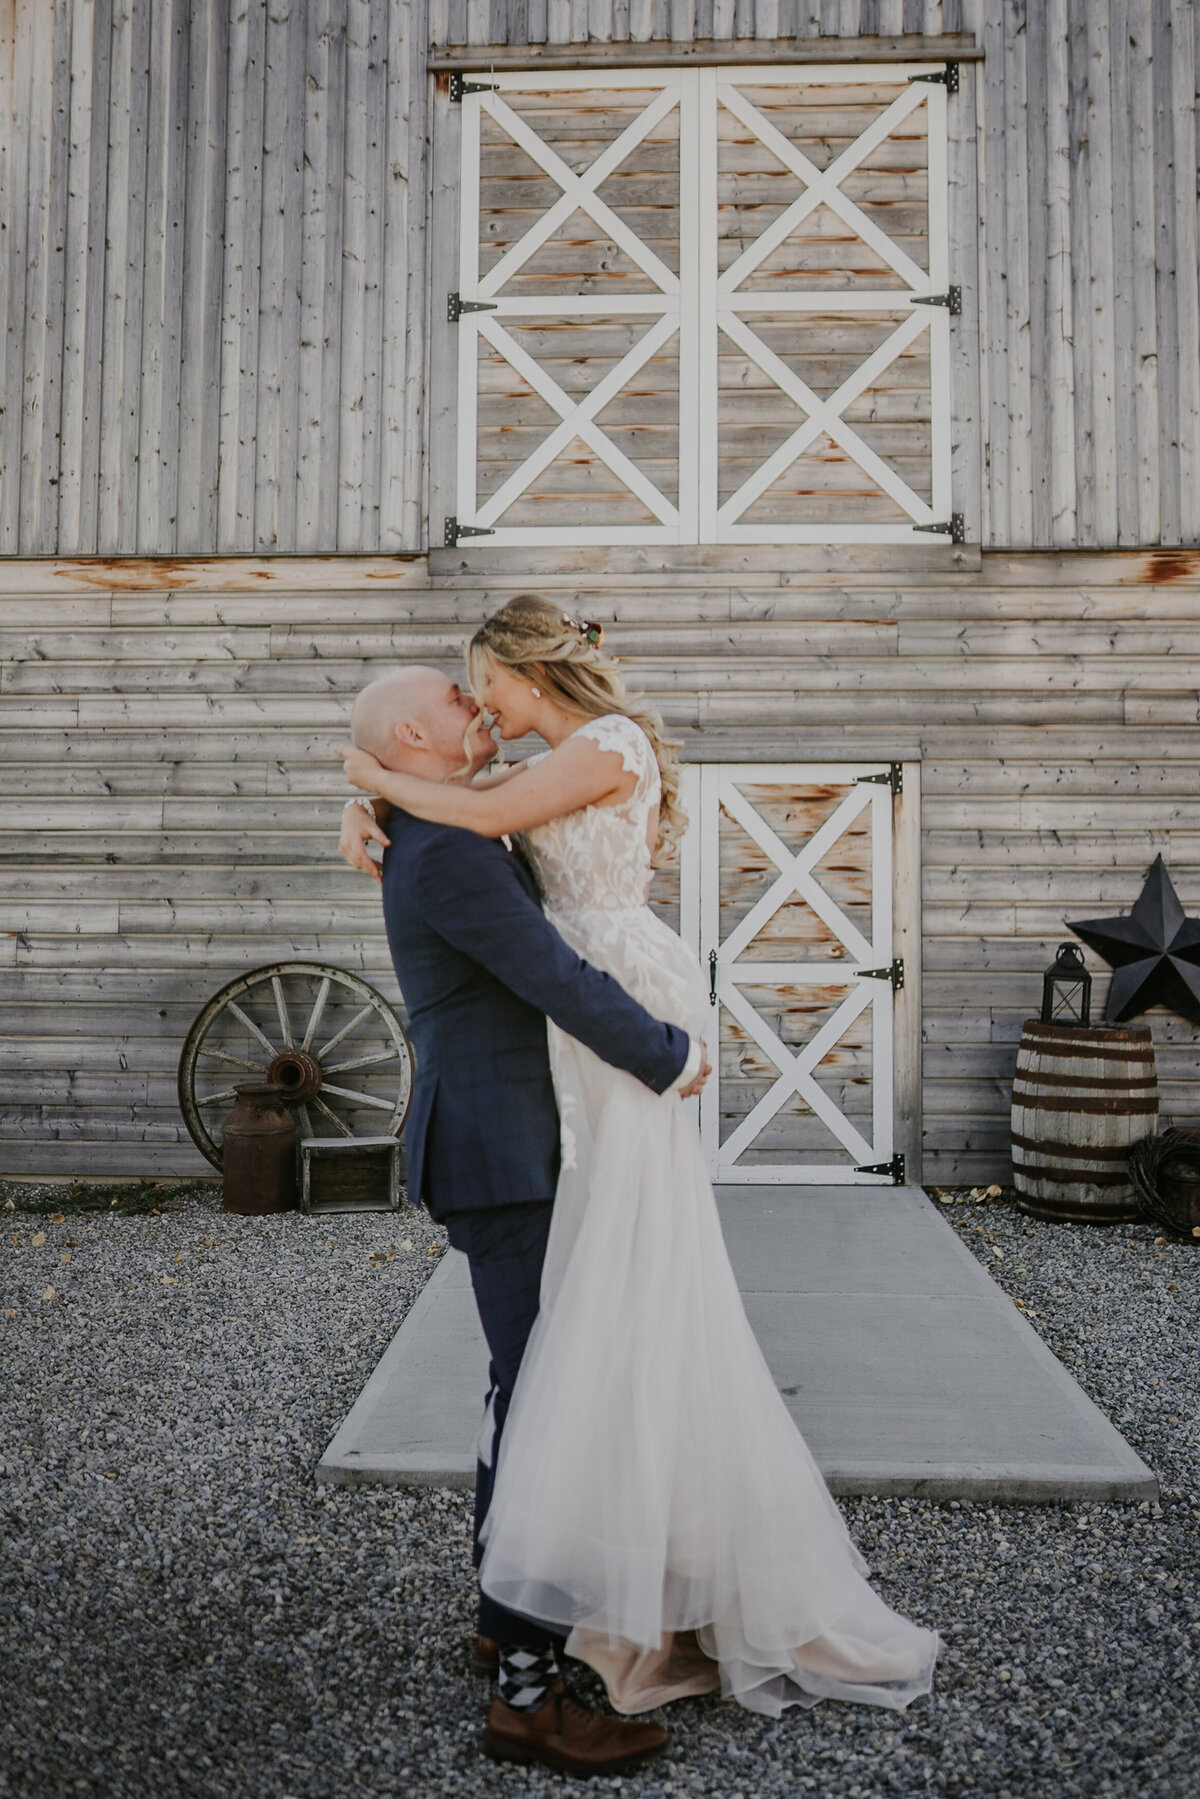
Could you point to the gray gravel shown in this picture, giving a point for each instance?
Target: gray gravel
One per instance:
(184, 1612)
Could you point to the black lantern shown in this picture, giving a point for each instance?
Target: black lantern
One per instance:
(1067, 989)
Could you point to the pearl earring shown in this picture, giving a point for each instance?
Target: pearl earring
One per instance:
(536, 692)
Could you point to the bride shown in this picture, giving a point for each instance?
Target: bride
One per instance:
(653, 1497)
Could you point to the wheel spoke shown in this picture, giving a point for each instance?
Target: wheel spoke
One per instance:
(210, 1099)
(303, 1111)
(252, 1028)
(285, 1023)
(367, 1012)
(381, 1055)
(360, 1099)
(310, 1030)
(220, 1055)
(332, 1117)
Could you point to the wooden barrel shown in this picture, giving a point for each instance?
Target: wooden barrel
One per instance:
(1081, 1096)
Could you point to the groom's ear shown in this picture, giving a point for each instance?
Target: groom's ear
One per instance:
(408, 734)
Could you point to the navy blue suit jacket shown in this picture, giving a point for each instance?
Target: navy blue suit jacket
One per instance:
(480, 968)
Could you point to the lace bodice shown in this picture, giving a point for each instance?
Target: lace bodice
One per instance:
(598, 859)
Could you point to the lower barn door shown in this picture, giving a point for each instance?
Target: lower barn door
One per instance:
(786, 894)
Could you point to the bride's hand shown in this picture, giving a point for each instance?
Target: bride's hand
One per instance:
(362, 770)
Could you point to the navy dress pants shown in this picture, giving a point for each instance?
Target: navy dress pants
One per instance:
(505, 1246)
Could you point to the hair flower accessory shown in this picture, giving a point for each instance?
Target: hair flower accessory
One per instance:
(590, 631)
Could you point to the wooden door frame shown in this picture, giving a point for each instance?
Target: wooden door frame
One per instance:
(907, 1119)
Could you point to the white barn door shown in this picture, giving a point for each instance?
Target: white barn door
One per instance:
(786, 895)
(704, 306)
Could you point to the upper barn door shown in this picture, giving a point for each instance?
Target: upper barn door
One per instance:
(786, 893)
(694, 307)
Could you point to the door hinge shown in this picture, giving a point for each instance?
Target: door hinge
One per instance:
(951, 300)
(894, 973)
(895, 1168)
(453, 532)
(947, 78)
(459, 85)
(892, 776)
(456, 306)
(955, 528)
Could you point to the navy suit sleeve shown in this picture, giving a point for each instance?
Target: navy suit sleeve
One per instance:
(471, 893)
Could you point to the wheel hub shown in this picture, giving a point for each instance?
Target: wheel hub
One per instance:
(296, 1074)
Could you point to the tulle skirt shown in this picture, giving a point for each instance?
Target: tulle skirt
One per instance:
(653, 1497)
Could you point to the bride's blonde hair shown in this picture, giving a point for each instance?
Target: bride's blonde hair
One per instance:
(562, 656)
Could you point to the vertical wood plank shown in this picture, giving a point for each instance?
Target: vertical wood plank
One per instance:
(1101, 296)
(402, 524)
(966, 389)
(41, 447)
(75, 280)
(314, 444)
(1184, 119)
(25, 28)
(96, 281)
(201, 314)
(8, 52)
(1166, 312)
(1139, 37)
(120, 396)
(1059, 526)
(442, 353)
(275, 476)
(907, 941)
(240, 303)
(354, 253)
(998, 430)
(1017, 374)
(162, 324)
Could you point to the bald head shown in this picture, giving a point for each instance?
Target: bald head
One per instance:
(418, 721)
(402, 698)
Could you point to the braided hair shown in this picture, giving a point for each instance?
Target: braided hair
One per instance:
(562, 655)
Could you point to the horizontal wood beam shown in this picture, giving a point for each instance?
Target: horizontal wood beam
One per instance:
(458, 58)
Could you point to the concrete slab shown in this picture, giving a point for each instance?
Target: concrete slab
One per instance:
(907, 1369)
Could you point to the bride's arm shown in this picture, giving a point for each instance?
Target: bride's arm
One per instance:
(578, 773)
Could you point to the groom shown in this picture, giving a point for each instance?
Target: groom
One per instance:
(481, 968)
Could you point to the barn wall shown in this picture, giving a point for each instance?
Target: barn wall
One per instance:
(212, 287)
(170, 803)
(212, 290)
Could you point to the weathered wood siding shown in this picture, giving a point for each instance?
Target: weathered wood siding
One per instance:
(170, 802)
(214, 218)
(212, 281)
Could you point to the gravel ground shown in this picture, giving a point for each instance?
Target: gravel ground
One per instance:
(184, 1612)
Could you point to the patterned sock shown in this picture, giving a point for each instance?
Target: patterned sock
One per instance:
(526, 1676)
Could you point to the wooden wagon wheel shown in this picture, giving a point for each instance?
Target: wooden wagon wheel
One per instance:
(307, 1027)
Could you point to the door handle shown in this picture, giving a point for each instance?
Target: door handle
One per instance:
(712, 977)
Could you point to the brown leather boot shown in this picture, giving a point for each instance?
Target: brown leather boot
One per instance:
(570, 1736)
(485, 1657)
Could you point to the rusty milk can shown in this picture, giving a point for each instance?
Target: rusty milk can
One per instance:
(258, 1162)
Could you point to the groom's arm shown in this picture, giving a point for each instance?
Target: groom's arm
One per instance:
(470, 892)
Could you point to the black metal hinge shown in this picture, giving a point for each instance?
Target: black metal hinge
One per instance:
(453, 532)
(895, 1168)
(955, 528)
(947, 78)
(892, 776)
(456, 306)
(459, 85)
(894, 973)
(951, 300)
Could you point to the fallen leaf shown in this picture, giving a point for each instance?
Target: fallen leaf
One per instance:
(15, 1240)
(435, 1249)
(10, 1311)
(407, 1243)
(170, 1280)
(1020, 1303)
(37, 1239)
(997, 1252)
(65, 1256)
(1159, 1241)
(178, 1258)
(1172, 1287)
(994, 1192)
(57, 1217)
(48, 1293)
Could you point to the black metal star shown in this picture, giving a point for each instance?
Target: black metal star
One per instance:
(1154, 953)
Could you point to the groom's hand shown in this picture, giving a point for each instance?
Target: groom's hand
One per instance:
(358, 829)
(693, 1089)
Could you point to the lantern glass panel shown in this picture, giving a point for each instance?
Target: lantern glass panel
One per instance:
(1067, 989)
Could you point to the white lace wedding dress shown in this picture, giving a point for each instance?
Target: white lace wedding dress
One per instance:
(653, 1496)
